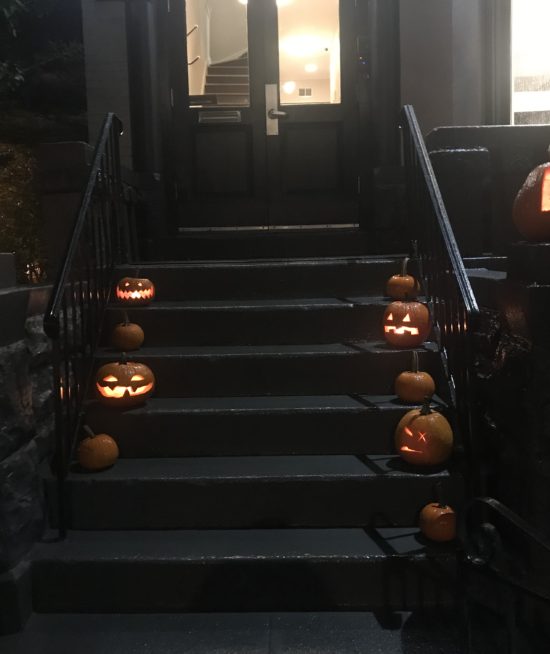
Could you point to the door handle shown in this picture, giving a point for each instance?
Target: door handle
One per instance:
(275, 114)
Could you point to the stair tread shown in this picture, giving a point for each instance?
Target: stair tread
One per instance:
(238, 544)
(259, 304)
(270, 404)
(313, 350)
(247, 468)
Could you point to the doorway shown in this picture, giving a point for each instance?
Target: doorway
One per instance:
(267, 114)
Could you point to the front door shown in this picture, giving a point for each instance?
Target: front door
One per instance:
(270, 115)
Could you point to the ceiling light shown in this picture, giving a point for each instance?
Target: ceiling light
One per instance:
(243, 2)
(311, 68)
(289, 87)
(283, 3)
(305, 45)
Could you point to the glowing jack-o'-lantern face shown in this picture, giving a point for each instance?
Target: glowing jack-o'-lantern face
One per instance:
(424, 437)
(135, 291)
(531, 212)
(406, 324)
(124, 384)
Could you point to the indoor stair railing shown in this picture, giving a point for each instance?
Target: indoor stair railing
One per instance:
(449, 294)
(100, 239)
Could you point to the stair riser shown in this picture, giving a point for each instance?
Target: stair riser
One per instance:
(213, 80)
(165, 327)
(249, 282)
(227, 86)
(160, 435)
(251, 503)
(241, 375)
(222, 69)
(286, 585)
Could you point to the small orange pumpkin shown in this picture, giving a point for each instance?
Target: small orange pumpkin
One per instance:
(424, 437)
(531, 211)
(403, 286)
(97, 452)
(124, 384)
(127, 336)
(135, 291)
(438, 522)
(413, 386)
(406, 324)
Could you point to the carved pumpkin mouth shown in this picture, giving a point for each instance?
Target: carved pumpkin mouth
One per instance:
(144, 294)
(401, 330)
(406, 448)
(121, 391)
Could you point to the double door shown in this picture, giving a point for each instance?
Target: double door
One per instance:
(267, 113)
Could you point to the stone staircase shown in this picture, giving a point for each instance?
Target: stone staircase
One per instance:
(262, 476)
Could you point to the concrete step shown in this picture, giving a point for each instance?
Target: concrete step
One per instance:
(364, 368)
(239, 570)
(253, 426)
(339, 277)
(227, 322)
(252, 492)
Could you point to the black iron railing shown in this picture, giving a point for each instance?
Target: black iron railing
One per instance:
(447, 287)
(99, 240)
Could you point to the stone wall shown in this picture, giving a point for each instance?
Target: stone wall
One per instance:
(26, 428)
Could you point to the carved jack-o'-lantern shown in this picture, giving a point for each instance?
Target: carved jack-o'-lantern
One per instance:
(437, 522)
(135, 291)
(406, 324)
(424, 437)
(414, 385)
(124, 384)
(402, 286)
(127, 336)
(531, 212)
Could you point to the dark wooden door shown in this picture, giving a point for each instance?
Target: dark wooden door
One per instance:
(284, 152)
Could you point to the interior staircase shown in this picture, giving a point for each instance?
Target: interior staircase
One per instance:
(260, 479)
(228, 82)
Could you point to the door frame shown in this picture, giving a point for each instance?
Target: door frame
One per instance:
(377, 41)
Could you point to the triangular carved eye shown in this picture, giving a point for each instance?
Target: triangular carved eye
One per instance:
(390, 317)
(140, 284)
(407, 318)
(110, 378)
(137, 378)
(127, 284)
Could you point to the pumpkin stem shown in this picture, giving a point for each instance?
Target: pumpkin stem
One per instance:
(426, 410)
(123, 359)
(88, 431)
(415, 361)
(126, 319)
(404, 265)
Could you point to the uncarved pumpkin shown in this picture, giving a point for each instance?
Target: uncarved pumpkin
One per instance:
(406, 324)
(413, 386)
(97, 452)
(438, 522)
(424, 437)
(127, 336)
(403, 286)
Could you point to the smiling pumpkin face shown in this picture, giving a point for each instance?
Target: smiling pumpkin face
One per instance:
(424, 437)
(406, 324)
(124, 384)
(135, 291)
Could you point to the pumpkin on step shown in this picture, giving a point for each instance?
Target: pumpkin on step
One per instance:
(124, 384)
(127, 336)
(531, 211)
(97, 452)
(414, 385)
(135, 291)
(424, 437)
(406, 324)
(437, 522)
(403, 286)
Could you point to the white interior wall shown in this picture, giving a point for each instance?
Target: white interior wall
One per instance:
(196, 12)
(228, 30)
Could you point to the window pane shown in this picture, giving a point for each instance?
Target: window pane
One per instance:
(309, 51)
(531, 61)
(217, 52)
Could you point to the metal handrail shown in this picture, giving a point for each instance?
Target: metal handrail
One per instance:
(73, 319)
(450, 296)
